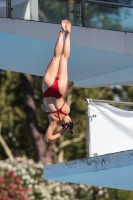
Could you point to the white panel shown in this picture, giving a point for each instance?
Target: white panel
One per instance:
(27, 12)
(34, 9)
(31, 11)
(2, 8)
(111, 131)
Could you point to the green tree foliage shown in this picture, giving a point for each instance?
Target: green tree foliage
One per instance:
(12, 116)
(16, 130)
(42, 149)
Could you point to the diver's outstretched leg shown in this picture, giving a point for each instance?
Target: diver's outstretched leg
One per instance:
(62, 71)
(52, 69)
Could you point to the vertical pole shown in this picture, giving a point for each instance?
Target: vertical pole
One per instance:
(87, 129)
(9, 9)
(83, 13)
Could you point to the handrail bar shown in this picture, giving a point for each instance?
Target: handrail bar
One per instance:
(109, 3)
(110, 102)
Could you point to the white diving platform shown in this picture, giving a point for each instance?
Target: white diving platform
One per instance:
(111, 170)
(98, 57)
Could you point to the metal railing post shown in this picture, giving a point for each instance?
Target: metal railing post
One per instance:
(87, 128)
(83, 18)
(9, 8)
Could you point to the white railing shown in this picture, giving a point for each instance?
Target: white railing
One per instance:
(108, 129)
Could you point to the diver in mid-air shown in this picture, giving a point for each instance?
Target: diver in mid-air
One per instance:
(54, 86)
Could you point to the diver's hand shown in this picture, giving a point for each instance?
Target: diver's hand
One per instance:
(64, 131)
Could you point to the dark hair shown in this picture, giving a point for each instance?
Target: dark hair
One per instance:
(69, 126)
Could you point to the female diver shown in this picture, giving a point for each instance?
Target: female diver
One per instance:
(54, 85)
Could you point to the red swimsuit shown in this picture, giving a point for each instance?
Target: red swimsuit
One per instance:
(53, 91)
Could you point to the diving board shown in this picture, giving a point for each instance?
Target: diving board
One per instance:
(110, 170)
